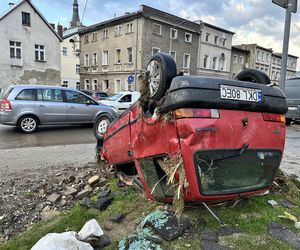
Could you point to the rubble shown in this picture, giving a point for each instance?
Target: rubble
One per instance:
(103, 202)
(93, 180)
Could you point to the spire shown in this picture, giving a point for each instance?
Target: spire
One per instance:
(75, 18)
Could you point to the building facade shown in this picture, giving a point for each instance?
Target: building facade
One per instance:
(239, 58)
(30, 47)
(115, 53)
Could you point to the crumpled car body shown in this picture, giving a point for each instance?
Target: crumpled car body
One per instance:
(229, 148)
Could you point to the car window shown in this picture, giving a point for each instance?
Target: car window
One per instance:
(126, 98)
(292, 89)
(5, 92)
(75, 97)
(114, 97)
(27, 95)
(50, 95)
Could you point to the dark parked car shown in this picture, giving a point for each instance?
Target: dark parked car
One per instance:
(97, 95)
(292, 91)
(229, 135)
(28, 107)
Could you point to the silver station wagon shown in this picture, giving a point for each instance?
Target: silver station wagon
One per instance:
(27, 107)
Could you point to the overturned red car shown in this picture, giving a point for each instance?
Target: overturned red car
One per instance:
(230, 134)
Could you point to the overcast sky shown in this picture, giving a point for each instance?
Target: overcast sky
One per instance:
(253, 21)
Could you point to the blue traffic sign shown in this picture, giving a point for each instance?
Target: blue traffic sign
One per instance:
(130, 78)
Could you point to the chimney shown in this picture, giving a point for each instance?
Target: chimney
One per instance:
(52, 25)
(60, 30)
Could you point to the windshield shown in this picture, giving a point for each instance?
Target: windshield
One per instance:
(292, 89)
(114, 97)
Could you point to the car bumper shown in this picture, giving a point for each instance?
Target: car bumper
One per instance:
(6, 118)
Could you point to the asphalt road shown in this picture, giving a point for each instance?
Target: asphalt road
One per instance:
(75, 145)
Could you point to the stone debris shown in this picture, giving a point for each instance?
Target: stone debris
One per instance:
(70, 191)
(93, 180)
(287, 203)
(104, 193)
(117, 218)
(272, 203)
(83, 193)
(53, 198)
(103, 202)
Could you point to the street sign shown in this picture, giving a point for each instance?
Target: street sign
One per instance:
(284, 4)
(130, 78)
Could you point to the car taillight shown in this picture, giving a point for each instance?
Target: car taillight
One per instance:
(200, 113)
(5, 105)
(274, 117)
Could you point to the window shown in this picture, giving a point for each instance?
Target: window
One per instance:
(117, 85)
(78, 85)
(258, 55)
(75, 97)
(126, 98)
(65, 84)
(216, 39)
(50, 95)
(95, 59)
(205, 61)
(15, 49)
(118, 56)
(156, 29)
(129, 55)
(27, 94)
(241, 60)
(105, 57)
(224, 42)
(155, 50)
(95, 83)
(25, 18)
(173, 55)
(207, 37)
(87, 84)
(263, 56)
(94, 36)
(65, 51)
(214, 62)
(235, 58)
(118, 30)
(186, 61)
(173, 33)
(86, 60)
(222, 62)
(105, 34)
(77, 68)
(86, 38)
(105, 85)
(39, 52)
(129, 27)
(188, 37)
(267, 57)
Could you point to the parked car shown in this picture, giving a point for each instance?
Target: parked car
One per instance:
(122, 100)
(292, 91)
(28, 107)
(97, 95)
(229, 134)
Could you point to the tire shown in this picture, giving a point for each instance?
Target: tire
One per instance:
(253, 75)
(161, 69)
(100, 126)
(28, 124)
(288, 121)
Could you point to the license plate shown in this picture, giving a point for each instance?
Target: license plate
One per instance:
(239, 93)
(292, 108)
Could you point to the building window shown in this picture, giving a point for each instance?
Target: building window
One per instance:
(26, 18)
(263, 56)
(65, 51)
(155, 50)
(105, 57)
(77, 70)
(188, 37)
(186, 61)
(222, 62)
(216, 39)
(86, 38)
(129, 27)
(87, 84)
(39, 52)
(118, 56)
(118, 30)
(105, 34)
(156, 29)
(205, 61)
(267, 57)
(105, 85)
(206, 37)
(78, 85)
(224, 42)
(241, 60)
(235, 58)
(86, 60)
(65, 84)
(173, 33)
(117, 85)
(129, 55)
(258, 55)
(94, 36)
(95, 59)
(214, 62)
(15, 49)
(173, 55)
(95, 84)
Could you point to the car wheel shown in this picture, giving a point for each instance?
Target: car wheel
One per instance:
(101, 125)
(28, 124)
(253, 75)
(161, 70)
(288, 121)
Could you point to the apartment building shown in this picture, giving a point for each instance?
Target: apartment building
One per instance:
(239, 58)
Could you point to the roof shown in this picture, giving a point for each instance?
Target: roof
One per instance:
(71, 32)
(280, 55)
(15, 6)
(234, 47)
(218, 28)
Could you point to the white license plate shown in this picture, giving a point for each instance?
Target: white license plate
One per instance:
(292, 108)
(239, 93)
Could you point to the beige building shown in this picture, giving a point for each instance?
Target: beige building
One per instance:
(115, 53)
(239, 58)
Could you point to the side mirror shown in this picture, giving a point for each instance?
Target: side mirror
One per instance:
(120, 100)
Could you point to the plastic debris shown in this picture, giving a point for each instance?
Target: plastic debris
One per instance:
(91, 228)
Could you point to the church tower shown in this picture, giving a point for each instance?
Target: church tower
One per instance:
(75, 18)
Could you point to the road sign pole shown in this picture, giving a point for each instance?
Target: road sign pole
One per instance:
(285, 46)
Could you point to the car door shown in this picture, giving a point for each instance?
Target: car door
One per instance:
(124, 102)
(81, 109)
(50, 106)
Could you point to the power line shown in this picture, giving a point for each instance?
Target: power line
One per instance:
(86, 1)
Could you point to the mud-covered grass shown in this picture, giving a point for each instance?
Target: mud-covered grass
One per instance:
(251, 216)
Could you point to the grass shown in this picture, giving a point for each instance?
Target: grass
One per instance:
(251, 216)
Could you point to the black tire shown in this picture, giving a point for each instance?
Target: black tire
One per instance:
(158, 84)
(253, 75)
(288, 121)
(28, 124)
(102, 122)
